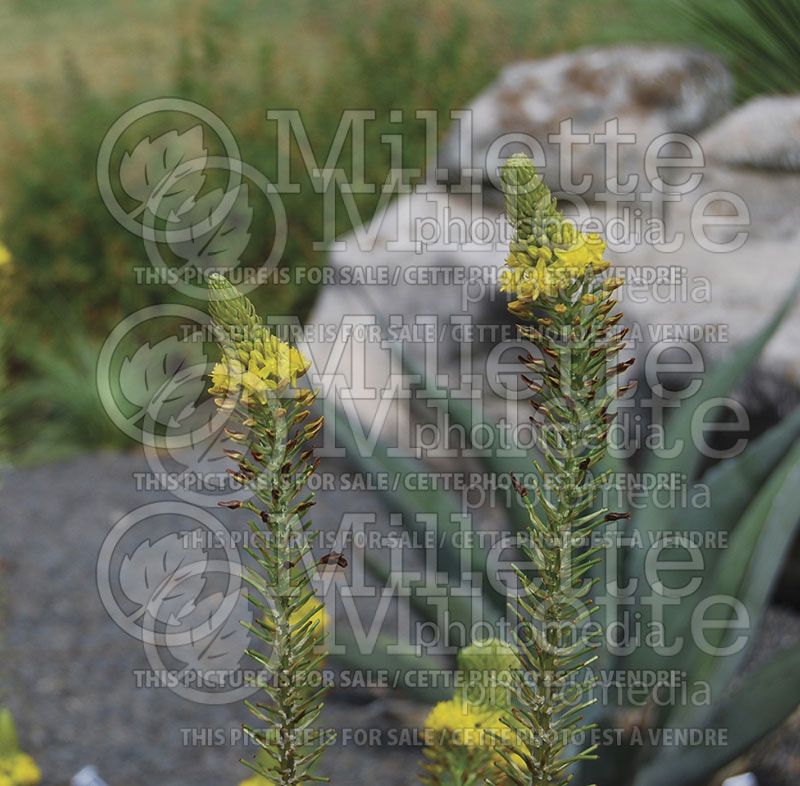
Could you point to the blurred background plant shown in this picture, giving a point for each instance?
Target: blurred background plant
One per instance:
(73, 263)
(760, 39)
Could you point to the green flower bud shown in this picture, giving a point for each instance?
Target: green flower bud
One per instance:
(488, 670)
(229, 309)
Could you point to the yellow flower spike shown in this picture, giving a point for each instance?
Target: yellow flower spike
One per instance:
(534, 748)
(270, 365)
(274, 436)
(5, 255)
(553, 259)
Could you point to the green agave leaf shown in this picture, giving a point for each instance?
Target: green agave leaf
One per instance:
(412, 506)
(719, 382)
(459, 608)
(652, 519)
(444, 505)
(492, 462)
(733, 482)
(760, 703)
(601, 572)
(747, 571)
(460, 413)
(732, 485)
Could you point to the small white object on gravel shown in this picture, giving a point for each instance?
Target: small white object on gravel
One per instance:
(87, 777)
(746, 779)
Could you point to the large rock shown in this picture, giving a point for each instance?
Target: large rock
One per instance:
(651, 90)
(768, 200)
(764, 133)
(412, 297)
(752, 158)
(730, 295)
(713, 297)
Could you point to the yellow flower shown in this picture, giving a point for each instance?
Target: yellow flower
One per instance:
(265, 365)
(313, 607)
(319, 617)
(226, 377)
(586, 250)
(255, 386)
(542, 270)
(465, 723)
(256, 780)
(5, 255)
(528, 283)
(19, 769)
(24, 771)
(282, 360)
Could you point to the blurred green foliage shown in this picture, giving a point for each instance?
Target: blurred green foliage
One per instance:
(73, 264)
(760, 40)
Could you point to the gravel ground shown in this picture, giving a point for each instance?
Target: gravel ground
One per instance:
(69, 671)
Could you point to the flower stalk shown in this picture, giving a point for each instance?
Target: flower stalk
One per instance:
(256, 381)
(565, 307)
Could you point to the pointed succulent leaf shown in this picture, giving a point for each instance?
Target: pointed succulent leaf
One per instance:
(760, 703)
